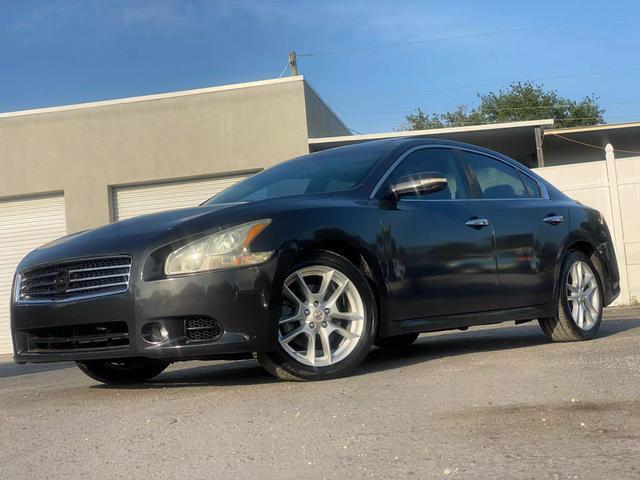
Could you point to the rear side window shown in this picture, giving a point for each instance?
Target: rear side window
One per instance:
(496, 179)
(439, 160)
(532, 186)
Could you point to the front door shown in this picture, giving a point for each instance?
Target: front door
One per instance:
(437, 252)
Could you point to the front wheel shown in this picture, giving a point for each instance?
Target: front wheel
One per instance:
(580, 302)
(327, 320)
(121, 372)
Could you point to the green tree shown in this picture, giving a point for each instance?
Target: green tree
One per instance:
(520, 101)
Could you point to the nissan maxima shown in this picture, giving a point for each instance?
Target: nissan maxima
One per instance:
(308, 264)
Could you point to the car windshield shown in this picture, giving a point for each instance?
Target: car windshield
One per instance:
(329, 171)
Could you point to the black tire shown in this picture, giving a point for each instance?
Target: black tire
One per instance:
(122, 372)
(397, 342)
(283, 366)
(561, 327)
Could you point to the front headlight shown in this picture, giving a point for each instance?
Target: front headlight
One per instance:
(225, 249)
(17, 282)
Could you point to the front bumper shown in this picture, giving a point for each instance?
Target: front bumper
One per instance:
(240, 300)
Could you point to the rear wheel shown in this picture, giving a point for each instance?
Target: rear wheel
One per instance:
(397, 342)
(119, 372)
(327, 320)
(580, 302)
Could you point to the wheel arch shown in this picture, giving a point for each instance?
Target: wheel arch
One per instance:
(587, 248)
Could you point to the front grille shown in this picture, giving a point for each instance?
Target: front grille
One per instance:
(76, 279)
(199, 329)
(97, 336)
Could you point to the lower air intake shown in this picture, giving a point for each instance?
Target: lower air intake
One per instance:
(95, 336)
(202, 329)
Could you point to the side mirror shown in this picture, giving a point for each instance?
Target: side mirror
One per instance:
(419, 184)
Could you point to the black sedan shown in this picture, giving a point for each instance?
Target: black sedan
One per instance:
(308, 264)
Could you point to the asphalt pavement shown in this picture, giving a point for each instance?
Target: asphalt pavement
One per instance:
(493, 402)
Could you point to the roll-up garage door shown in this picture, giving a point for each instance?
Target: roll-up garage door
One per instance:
(25, 224)
(141, 199)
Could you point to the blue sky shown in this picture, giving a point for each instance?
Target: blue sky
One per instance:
(56, 52)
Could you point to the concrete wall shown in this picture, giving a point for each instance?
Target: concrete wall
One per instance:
(83, 150)
(321, 120)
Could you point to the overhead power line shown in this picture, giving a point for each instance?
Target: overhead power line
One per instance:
(599, 147)
(466, 36)
(283, 70)
(485, 85)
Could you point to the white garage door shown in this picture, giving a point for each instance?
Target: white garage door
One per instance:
(25, 224)
(141, 199)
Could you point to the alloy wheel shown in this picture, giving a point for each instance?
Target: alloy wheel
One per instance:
(322, 316)
(583, 295)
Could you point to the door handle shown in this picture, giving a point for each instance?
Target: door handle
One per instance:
(553, 219)
(477, 222)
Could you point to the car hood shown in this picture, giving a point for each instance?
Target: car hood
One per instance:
(142, 235)
(130, 236)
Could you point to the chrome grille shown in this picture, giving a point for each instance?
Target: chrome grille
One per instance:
(75, 279)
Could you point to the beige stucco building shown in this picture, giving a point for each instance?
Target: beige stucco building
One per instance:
(88, 151)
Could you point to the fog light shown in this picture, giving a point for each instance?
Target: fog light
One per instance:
(155, 332)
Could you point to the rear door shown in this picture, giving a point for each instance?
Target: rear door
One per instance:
(529, 229)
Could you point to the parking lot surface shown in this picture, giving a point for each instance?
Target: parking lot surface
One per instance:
(494, 402)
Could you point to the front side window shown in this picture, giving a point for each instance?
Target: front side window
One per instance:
(329, 171)
(496, 179)
(440, 160)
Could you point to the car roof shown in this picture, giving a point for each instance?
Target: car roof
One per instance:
(387, 143)
(397, 145)
(411, 142)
